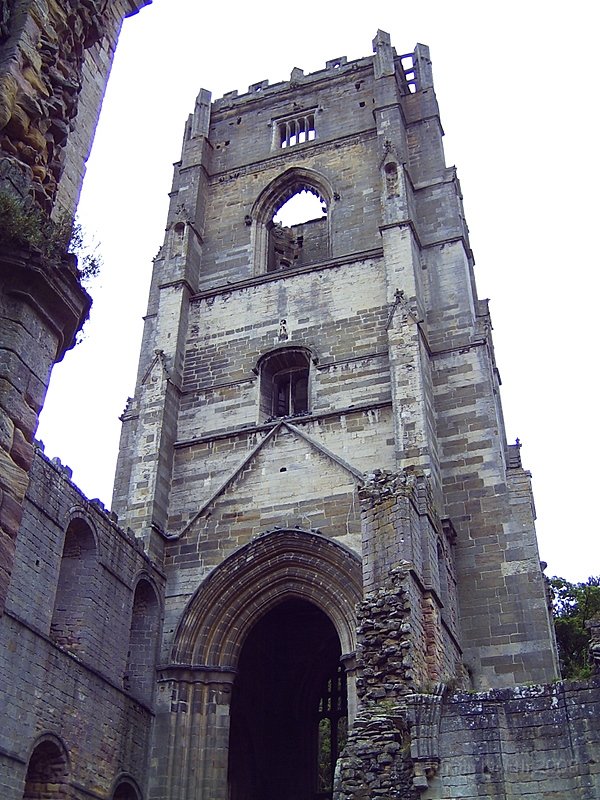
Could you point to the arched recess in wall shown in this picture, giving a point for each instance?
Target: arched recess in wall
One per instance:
(273, 568)
(278, 248)
(126, 789)
(75, 602)
(144, 630)
(48, 769)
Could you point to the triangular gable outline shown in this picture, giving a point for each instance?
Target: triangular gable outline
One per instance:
(159, 357)
(355, 473)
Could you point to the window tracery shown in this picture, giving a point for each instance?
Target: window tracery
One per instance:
(296, 130)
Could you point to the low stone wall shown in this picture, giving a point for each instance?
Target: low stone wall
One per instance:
(529, 741)
(537, 741)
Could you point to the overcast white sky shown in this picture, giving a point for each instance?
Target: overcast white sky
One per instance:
(517, 84)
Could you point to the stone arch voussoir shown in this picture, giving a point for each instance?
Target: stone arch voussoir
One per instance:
(274, 567)
(79, 518)
(285, 186)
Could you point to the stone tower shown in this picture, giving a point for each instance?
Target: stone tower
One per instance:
(315, 453)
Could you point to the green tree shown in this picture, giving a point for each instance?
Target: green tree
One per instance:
(573, 604)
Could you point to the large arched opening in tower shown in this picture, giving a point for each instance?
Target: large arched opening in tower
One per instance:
(291, 221)
(289, 707)
(298, 231)
(264, 638)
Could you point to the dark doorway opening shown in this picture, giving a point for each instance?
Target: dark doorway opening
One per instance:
(289, 707)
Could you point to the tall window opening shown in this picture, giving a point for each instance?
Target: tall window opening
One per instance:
(298, 232)
(143, 639)
(284, 383)
(47, 773)
(296, 130)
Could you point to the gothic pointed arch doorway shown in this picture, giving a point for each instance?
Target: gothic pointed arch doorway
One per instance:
(256, 692)
(289, 709)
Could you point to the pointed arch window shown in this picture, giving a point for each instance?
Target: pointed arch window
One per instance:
(143, 640)
(290, 241)
(73, 617)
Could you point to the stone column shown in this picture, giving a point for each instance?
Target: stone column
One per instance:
(191, 734)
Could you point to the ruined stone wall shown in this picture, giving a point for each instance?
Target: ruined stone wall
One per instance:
(542, 741)
(414, 738)
(402, 563)
(54, 63)
(76, 690)
(539, 740)
(41, 309)
(48, 73)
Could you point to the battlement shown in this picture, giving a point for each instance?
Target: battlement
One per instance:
(261, 89)
(409, 69)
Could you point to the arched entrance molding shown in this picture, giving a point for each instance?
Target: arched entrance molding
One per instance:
(274, 196)
(273, 567)
(277, 566)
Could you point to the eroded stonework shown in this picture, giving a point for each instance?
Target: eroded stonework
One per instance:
(323, 580)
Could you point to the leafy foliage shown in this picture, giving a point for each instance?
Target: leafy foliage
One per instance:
(26, 226)
(573, 604)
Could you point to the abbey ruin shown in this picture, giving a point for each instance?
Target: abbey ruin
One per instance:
(319, 577)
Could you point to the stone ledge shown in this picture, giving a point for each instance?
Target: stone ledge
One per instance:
(53, 292)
